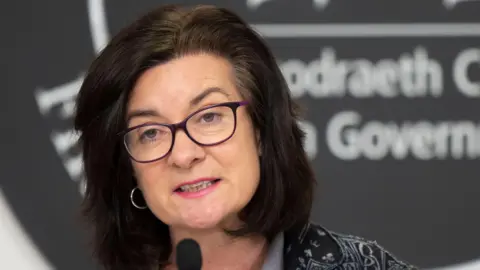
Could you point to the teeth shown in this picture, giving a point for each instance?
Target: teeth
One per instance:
(195, 187)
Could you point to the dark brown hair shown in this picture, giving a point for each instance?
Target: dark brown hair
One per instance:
(127, 238)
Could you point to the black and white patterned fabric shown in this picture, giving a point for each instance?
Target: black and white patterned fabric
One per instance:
(312, 247)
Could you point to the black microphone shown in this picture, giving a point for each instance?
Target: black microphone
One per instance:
(189, 256)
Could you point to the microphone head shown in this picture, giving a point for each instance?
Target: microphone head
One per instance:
(189, 256)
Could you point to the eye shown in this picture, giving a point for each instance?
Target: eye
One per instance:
(210, 117)
(152, 134)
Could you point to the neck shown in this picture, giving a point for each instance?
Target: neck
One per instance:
(222, 251)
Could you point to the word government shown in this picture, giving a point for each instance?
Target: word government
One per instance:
(412, 75)
(349, 137)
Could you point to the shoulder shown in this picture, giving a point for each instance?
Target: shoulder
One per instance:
(315, 247)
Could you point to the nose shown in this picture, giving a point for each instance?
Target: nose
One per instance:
(185, 152)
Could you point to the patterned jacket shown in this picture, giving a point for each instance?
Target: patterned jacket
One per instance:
(312, 247)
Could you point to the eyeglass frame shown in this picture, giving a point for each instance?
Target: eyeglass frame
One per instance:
(233, 105)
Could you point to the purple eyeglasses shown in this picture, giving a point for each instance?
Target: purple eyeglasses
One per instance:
(208, 126)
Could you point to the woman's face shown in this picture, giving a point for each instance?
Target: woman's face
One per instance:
(168, 93)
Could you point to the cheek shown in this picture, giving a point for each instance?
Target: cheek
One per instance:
(142, 172)
(240, 159)
(246, 178)
(153, 181)
(249, 174)
(149, 178)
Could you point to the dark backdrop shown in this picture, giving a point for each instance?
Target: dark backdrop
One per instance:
(392, 90)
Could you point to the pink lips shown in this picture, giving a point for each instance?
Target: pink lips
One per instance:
(198, 193)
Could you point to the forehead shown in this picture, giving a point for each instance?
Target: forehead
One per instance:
(178, 80)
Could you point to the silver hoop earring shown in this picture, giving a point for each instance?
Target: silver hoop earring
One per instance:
(133, 201)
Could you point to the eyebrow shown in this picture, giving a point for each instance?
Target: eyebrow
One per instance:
(193, 102)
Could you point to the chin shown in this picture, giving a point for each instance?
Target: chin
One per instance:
(201, 223)
(209, 221)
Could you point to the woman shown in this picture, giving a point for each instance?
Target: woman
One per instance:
(188, 131)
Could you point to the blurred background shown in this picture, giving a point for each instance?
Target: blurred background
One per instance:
(392, 94)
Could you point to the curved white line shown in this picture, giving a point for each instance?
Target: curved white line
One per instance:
(254, 4)
(450, 4)
(98, 24)
(17, 251)
(474, 265)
